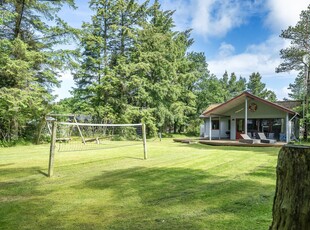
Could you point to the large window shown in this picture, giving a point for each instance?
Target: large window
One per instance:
(215, 124)
(271, 127)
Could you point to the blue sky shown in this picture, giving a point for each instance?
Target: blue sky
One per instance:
(240, 36)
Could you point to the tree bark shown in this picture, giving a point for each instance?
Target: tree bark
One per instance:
(291, 207)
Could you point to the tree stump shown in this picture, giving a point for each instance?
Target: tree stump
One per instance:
(291, 206)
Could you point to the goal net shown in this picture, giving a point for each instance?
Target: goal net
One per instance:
(85, 136)
(74, 136)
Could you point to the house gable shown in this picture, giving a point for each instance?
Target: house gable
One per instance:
(237, 103)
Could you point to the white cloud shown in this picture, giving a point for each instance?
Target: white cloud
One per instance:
(214, 18)
(284, 13)
(211, 18)
(262, 58)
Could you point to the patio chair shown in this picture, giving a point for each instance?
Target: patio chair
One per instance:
(248, 140)
(264, 139)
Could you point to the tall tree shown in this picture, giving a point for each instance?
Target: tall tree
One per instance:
(299, 37)
(209, 88)
(231, 86)
(298, 88)
(224, 82)
(256, 87)
(235, 86)
(29, 63)
(106, 49)
(164, 70)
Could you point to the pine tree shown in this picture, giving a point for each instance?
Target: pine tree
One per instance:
(298, 88)
(162, 72)
(104, 77)
(224, 83)
(256, 87)
(29, 62)
(299, 36)
(235, 86)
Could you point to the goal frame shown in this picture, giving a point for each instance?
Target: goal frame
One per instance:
(54, 132)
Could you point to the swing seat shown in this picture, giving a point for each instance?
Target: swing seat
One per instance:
(92, 140)
(63, 139)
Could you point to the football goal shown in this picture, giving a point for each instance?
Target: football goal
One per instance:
(74, 136)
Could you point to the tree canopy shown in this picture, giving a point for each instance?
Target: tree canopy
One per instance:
(294, 59)
(131, 65)
(29, 62)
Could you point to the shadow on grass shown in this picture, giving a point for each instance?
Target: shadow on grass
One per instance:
(4, 165)
(263, 172)
(178, 198)
(136, 198)
(22, 204)
(43, 173)
(15, 172)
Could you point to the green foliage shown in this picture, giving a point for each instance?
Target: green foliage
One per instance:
(231, 87)
(134, 66)
(29, 64)
(298, 88)
(131, 66)
(256, 87)
(299, 37)
(292, 56)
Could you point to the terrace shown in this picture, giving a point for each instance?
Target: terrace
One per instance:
(227, 143)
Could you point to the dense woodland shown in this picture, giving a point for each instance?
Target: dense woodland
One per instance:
(131, 65)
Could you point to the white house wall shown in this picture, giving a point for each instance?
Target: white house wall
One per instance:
(215, 134)
(263, 111)
(224, 127)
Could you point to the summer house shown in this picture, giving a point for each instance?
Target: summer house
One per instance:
(227, 120)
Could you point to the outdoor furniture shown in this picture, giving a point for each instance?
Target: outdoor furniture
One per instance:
(248, 140)
(264, 139)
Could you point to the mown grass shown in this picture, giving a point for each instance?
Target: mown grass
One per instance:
(179, 187)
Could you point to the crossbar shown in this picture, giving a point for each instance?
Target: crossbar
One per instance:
(99, 125)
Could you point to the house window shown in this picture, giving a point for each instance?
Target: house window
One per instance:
(215, 124)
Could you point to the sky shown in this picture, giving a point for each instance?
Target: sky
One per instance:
(240, 36)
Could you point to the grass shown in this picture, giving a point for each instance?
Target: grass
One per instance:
(179, 187)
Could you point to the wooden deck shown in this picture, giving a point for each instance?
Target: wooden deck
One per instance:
(227, 143)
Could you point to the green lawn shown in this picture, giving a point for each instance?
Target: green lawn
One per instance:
(179, 187)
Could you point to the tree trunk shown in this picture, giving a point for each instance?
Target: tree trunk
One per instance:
(291, 206)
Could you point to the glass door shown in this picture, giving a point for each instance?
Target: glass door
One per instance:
(239, 128)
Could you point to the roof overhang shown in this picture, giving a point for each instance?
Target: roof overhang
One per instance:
(221, 109)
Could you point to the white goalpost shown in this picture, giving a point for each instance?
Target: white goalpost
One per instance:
(74, 136)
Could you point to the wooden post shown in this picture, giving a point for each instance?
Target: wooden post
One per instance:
(144, 141)
(291, 206)
(52, 149)
(83, 139)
